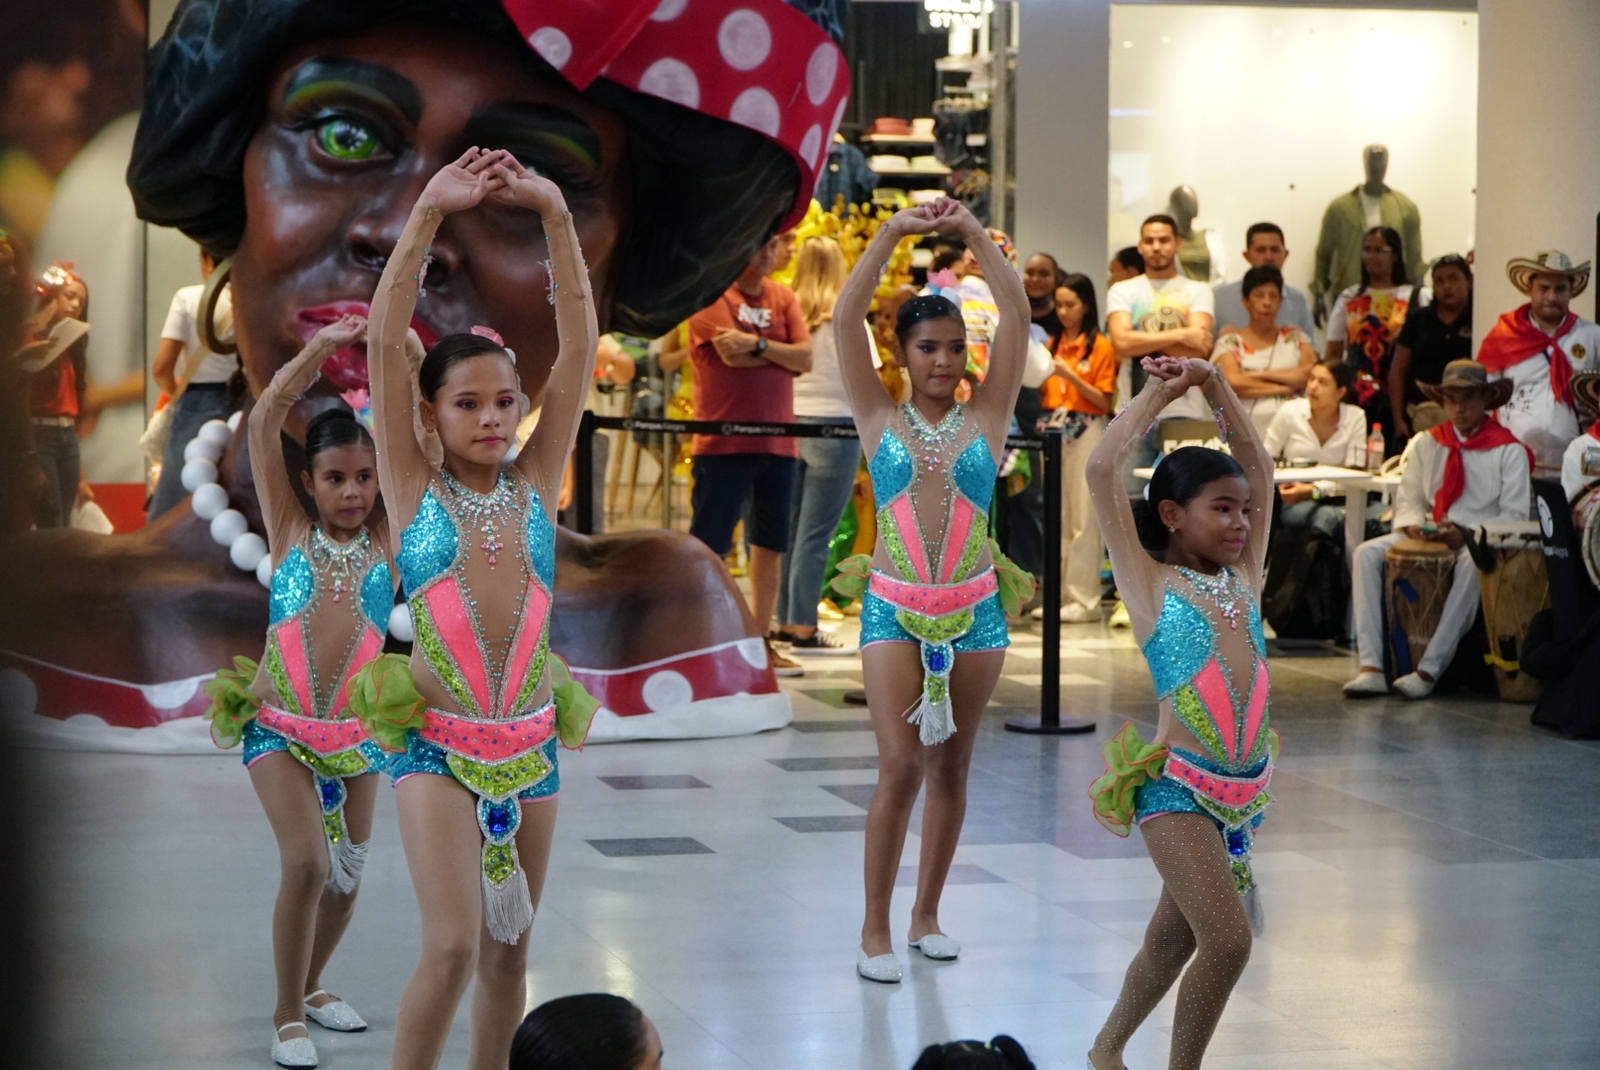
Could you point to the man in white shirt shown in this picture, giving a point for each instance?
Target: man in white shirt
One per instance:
(184, 363)
(1160, 313)
(1580, 464)
(1263, 244)
(1537, 348)
(1458, 475)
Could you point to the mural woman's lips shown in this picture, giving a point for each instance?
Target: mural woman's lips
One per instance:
(347, 368)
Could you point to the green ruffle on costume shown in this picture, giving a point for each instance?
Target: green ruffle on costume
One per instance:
(575, 707)
(1016, 583)
(1130, 764)
(233, 704)
(854, 574)
(384, 697)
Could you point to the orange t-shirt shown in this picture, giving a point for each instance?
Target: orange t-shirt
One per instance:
(1097, 367)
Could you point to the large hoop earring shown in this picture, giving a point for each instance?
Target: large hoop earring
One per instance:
(208, 309)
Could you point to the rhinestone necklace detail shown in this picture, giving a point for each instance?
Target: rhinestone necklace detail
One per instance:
(1220, 590)
(936, 442)
(488, 513)
(936, 446)
(344, 563)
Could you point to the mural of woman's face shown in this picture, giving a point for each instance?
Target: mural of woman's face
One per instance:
(354, 127)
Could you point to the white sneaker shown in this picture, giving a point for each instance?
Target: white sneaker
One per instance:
(937, 946)
(884, 969)
(297, 1052)
(337, 1015)
(1366, 683)
(1076, 614)
(1413, 686)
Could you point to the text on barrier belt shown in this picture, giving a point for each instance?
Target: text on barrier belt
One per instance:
(731, 429)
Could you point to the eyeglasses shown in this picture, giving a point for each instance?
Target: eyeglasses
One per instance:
(1375, 252)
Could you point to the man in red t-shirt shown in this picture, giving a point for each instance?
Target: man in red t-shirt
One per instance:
(747, 348)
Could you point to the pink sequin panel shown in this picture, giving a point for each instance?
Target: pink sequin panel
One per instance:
(533, 611)
(1259, 687)
(489, 741)
(961, 517)
(292, 650)
(905, 522)
(1212, 687)
(931, 601)
(323, 737)
(370, 646)
(1232, 792)
(450, 618)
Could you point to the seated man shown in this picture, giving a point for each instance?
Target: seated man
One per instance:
(1580, 464)
(1458, 475)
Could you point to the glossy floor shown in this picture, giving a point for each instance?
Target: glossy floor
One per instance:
(1431, 878)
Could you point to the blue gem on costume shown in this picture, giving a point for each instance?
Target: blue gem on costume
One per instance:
(292, 586)
(936, 661)
(499, 820)
(377, 596)
(1238, 842)
(331, 791)
(428, 545)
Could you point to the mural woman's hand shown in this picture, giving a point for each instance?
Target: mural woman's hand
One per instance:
(520, 187)
(463, 184)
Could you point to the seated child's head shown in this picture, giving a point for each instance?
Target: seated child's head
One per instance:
(1001, 1053)
(593, 1031)
(1467, 395)
(1198, 503)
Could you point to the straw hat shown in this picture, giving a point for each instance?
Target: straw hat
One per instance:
(1469, 375)
(1586, 389)
(1521, 270)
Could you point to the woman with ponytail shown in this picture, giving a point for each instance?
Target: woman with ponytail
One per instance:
(309, 759)
(1189, 561)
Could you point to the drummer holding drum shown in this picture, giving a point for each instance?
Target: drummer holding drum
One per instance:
(1462, 474)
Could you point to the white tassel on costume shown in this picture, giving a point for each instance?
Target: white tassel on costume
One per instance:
(346, 860)
(935, 721)
(507, 907)
(1251, 900)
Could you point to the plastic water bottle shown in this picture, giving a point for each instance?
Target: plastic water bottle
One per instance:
(1375, 449)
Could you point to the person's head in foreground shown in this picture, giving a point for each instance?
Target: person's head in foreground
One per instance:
(1001, 1053)
(593, 1031)
(1467, 395)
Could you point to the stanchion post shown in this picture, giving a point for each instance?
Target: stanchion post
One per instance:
(1050, 722)
(669, 461)
(583, 474)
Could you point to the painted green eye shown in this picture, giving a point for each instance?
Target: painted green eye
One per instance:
(346, 140)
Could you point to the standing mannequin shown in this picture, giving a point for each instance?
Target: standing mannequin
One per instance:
(1351, 215)
(1195, 259)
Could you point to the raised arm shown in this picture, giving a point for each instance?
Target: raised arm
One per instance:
(995, 400)
(543, 458)
(403, 471)
(870, 403)
(1138, 574)
(285, 520)
(1239, 434)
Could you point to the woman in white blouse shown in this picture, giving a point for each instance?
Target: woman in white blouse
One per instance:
(1266, 362)
(1323, 429)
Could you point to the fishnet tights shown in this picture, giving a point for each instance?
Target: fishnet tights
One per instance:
(1199, 915)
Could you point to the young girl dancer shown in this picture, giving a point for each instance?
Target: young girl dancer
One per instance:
(932, 629)
(1189, 563)
(308, 757)
(479, 711)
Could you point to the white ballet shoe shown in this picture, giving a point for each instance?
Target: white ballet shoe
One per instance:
(937, 946)
(1366, 683)
(1413, 686)
(296, 1051)
(884, 969)
(338, 1015)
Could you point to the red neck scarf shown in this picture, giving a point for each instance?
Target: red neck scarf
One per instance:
(1515, 338)
(1488, 436)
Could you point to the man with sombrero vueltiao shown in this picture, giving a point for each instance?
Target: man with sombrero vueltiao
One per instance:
(1538, 347)
(1580, 464)
(1467, 471)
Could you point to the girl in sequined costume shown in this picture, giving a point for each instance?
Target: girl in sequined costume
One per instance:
(480, 708)
(1188, 560)
(933, 633)
(309, 759)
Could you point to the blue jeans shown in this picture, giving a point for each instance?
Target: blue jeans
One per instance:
(200, 403)
(58, 459)
(826, 477)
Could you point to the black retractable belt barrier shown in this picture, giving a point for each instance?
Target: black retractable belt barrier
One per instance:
(1049, 722)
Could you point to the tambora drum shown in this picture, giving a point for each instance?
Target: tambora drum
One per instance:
(1513, 592)
(1586, 525)
(1416, 582)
